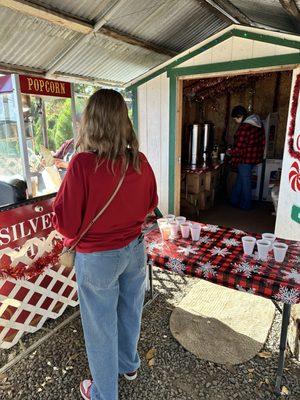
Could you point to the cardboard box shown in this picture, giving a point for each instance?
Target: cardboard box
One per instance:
(206, 199)
(212, 179)
(195, 182)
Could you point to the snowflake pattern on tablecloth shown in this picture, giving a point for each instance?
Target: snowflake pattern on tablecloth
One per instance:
(204, 239)
(296, 259)
(211, 228)
(219, 251)
(241, 289)
(231, 242)
(176, 266)
(292, 274)
(237, 232)
(207, 270)
(154, 246)
(286, 295)
(187, 250)
(246, 268)
(255, 257)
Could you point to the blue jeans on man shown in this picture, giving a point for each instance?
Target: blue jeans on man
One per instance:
(241, 195)
(111, 289)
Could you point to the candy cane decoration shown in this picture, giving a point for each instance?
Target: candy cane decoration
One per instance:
(294, 176)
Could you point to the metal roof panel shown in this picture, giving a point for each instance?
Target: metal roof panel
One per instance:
(88, 10)
(31, 42)
(173, 24)
(267, 12)
(108, 59)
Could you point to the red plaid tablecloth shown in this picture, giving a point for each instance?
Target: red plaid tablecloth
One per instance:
(218, 257)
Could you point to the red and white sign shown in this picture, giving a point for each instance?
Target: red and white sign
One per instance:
(294, 176)
(44, 87)
(287, 222)
(27, 246)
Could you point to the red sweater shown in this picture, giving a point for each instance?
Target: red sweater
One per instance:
(85, 190)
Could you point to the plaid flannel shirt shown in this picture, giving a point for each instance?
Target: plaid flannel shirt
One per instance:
(249, 145)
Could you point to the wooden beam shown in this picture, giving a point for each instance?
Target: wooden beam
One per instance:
(113, 33)
(236, 15)
(291, 8)
(83, 79)
(228, 9)
(19, 69)
(40, 12)
(219, 11)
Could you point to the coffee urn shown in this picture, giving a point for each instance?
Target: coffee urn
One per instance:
(201, 145)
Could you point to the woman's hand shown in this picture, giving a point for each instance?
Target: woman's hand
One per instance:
(60, 163)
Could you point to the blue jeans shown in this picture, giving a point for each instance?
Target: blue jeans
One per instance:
(111, 289)
(241, 195)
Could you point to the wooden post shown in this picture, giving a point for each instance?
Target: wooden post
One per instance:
(178, 141)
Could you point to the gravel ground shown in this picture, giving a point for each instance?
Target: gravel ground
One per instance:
(54, 370)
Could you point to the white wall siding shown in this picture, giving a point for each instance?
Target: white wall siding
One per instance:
(286, 227)
(237, 48)
(153, 131)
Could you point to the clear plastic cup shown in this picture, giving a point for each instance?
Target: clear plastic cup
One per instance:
(165, 231)
(279, 250)
(263, 247)
(195, 231)
(185, 230)
(248, 244)
(269, 236)
(161, 221)
(170, 217)
(222, 157)
(180, 220)
(174, 229)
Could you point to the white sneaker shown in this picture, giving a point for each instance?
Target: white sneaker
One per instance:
(131, 376)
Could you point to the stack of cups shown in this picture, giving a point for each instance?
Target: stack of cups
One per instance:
(170, 217)
(185, 230)
(263, 247)
(165, 231)
(180, 220)
(269, 236)
(174, 229)
(248, 244)
(195, 231)
(280, 250)
(161, 222)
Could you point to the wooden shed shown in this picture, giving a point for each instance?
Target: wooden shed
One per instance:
(235, 51)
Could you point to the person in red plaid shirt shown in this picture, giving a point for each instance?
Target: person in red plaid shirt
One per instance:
(248, 150)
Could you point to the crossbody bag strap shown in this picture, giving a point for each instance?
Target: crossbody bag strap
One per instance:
(101, 211)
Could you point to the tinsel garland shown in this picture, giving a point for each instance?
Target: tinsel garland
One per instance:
(22, 271)
(294, 153)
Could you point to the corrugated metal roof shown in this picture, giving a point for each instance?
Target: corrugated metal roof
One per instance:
(267, 12)
(110, 59)
(173, 24)
(85, 9)
(31, 42)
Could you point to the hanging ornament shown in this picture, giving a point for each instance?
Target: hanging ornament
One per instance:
(293, 136)
(294, 176)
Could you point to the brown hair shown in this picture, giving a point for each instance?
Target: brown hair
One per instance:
(107, 130)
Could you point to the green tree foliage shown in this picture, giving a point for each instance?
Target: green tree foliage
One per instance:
(63, 127)
(59, 115)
